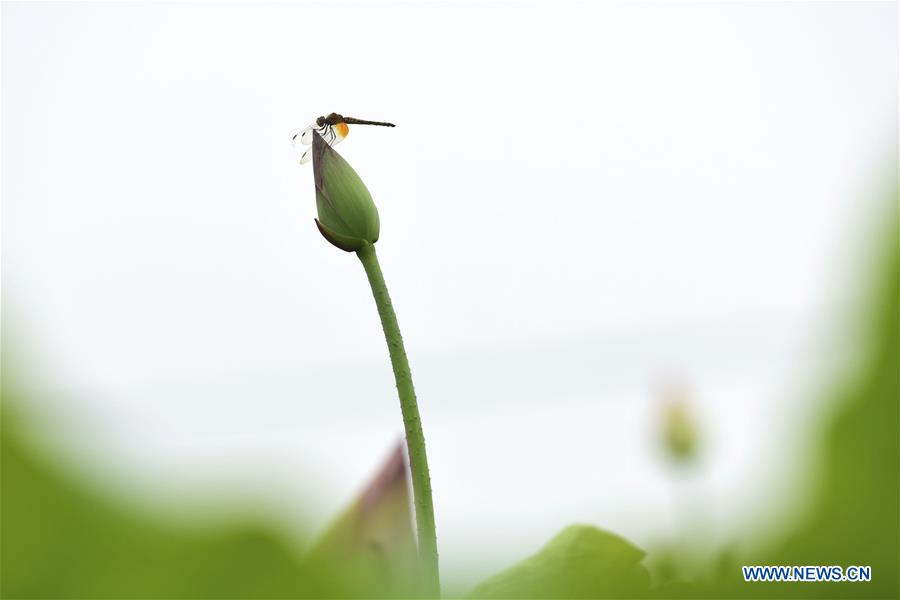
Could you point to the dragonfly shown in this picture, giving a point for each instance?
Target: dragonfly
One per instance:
(333, 129)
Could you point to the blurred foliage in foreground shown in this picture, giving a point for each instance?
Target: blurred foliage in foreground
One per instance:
(62, 540)
(855, 514)
(580, 562)
(856, 519)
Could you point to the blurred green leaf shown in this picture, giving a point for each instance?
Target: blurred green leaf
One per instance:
(580, 562)
(855, 519)
(854, 512)
(63, 540)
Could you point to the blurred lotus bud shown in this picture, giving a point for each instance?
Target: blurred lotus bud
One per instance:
(370, 550)
(347, 215)
(680, 435)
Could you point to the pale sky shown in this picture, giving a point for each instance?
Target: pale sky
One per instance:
(579, 202)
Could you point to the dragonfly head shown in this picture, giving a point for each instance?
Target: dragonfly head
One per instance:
(332, 119)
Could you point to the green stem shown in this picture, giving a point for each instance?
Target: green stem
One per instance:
(415, 439)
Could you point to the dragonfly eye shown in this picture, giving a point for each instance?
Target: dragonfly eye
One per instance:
(320, 121)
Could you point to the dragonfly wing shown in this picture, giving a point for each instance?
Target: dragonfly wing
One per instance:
(332, 134)
(303, 137)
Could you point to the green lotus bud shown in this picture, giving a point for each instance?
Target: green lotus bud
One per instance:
(347, 215)
(680, 433)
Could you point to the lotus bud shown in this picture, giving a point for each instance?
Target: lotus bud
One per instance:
(680, 434)
(347, 215)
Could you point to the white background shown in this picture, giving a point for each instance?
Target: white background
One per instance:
(580, 203)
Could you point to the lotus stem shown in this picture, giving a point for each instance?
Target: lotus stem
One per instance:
(415, 439)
